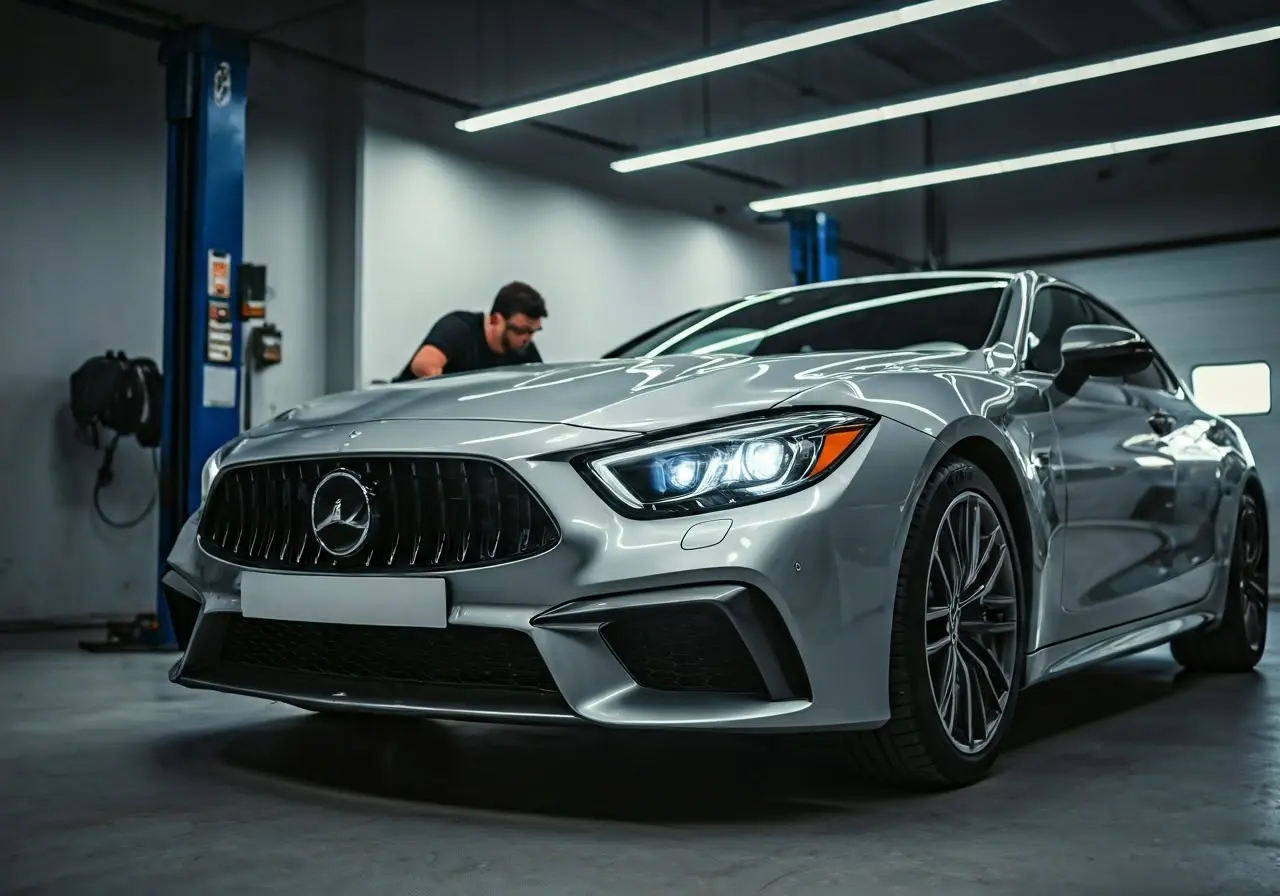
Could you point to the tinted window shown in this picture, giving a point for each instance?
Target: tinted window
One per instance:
(889, 315)
(661, 333)
(1053, 311)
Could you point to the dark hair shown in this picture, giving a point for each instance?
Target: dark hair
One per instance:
(519, 298)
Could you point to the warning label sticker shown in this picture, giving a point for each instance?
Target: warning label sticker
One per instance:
(219, 274)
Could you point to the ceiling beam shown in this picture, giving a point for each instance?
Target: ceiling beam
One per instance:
(1036, 32)
(634, 20)
(773, 15)
(927, 33)
(1175, 16)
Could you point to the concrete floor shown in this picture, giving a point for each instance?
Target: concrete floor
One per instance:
(1125, 779)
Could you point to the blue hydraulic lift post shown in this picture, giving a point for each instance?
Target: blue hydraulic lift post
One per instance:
(205, 106)
(815, 246)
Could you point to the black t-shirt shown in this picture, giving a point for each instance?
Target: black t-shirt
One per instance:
(460, 337)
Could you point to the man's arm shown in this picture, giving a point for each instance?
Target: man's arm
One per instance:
(445, 339)
(428, 361)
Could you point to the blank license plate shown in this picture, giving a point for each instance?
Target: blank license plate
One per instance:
(347, 600)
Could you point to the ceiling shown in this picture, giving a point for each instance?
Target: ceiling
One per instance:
(570, 42)
(488, 53)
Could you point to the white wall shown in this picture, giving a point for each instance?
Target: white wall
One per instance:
(285, 225)
(442, 233)
(82, 189)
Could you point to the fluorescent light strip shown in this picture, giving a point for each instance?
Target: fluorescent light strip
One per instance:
(805, 40)
(1023, 163)
(951, 100)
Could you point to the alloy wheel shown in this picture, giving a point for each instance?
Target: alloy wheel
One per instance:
(1252, 582)
(971, 622)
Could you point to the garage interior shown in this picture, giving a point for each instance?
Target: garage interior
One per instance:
(371, 212)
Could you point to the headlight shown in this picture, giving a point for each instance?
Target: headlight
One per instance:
(212, 466)
(730, 465)
(209, 471)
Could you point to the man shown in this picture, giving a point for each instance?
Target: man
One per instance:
(470, 340)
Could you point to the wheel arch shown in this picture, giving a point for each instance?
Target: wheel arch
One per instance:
(982, 443)
(987, 456)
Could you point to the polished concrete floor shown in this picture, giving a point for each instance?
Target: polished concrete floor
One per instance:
(1124, 779)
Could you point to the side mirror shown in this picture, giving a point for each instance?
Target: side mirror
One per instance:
(1104, 350)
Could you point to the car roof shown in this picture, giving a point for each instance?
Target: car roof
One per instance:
(884, 278)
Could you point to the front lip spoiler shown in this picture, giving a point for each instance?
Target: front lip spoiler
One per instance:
(322, 693)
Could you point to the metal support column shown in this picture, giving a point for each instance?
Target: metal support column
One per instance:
(203, 248)
(815, 246)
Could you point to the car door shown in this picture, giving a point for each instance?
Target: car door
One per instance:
(1187, 435)
(1111, 555)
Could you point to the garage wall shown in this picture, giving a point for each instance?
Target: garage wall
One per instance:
(82, 163)
(1213, 305)
(442, 233)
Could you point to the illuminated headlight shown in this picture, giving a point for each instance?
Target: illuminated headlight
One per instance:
(730, 465)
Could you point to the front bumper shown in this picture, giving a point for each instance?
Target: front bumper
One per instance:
(773, 616)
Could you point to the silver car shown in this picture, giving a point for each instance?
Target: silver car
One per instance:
(879, 507)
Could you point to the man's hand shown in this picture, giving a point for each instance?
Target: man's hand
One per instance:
(428, 361)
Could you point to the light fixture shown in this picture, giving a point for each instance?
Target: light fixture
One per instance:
(1005, 166)
(705, 65)
(1233, 390)
(921, 105)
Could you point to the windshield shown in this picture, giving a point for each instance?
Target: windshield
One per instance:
(893, 314)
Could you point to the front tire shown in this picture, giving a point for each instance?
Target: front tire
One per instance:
(1240, 639)
(957, 650)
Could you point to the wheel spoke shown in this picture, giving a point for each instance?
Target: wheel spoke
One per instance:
(995, 676)
(980, 627)
(974, 520)
(989, 583)
(977, 698)
(968, 699)
(955, 561)
(945, 575)
(1255, 592)
(947, 700)
(974, 637)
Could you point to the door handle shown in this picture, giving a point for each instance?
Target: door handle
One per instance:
(1161, 423)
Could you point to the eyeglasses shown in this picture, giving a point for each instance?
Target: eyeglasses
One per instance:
(522, 331)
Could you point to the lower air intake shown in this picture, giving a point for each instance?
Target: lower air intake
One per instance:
(684, 647)
(459, 656)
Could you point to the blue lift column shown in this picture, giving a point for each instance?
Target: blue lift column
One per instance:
(203, 249)
(815, 246)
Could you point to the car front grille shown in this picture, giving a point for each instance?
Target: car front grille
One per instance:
(458, 656)
(429, 514)
(684, 647)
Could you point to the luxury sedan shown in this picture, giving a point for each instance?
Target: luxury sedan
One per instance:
(880, 507)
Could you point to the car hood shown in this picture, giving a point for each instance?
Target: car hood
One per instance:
(623, 395)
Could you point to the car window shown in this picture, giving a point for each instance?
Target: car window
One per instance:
(1053, 311)
(1157, 376)
(888, 314)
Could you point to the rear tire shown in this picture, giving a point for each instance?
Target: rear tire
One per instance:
(957, 651)
(1240, 639)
